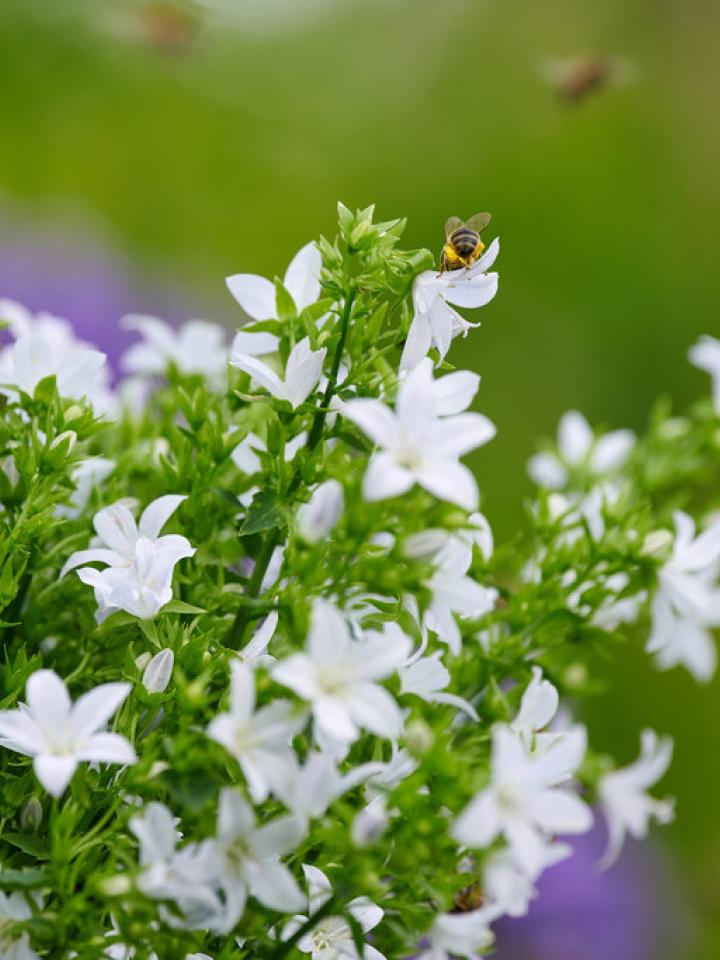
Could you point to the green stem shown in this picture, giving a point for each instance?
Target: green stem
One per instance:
(242, 617)
(319, 421)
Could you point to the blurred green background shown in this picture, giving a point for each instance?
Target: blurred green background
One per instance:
(200, 140)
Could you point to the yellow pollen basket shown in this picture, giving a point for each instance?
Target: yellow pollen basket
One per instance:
(450, 254)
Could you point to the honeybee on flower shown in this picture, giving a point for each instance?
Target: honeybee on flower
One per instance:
(463, 245)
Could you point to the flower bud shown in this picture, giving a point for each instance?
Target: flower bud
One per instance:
(673, 427)
(143, 660)
(158, 671)
(419, 738)
(557, 505)
(67, 437)
(656, 543)
(424, 545)
(318, 516)
(31, 815)
(73, 412)
(116, 886)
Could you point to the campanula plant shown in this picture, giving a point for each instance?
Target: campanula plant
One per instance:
(269, 688)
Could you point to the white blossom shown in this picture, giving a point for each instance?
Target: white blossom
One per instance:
(578, 448)
(302, 372)
(705, 354)
(14, 945)
(141, 588)
(613, 609)
(538, 706)
(455, 593)
(427, 678)
(196, 347)
(256, 295)
(310, 788)
(523, 801)
(186, 876)
(459, 935)
(508, 887)
(332, 938)
(140, 562)
(337, 676)
(435, 323)
(86, 475)
(247, 859)
(417, 445)
(118, 534)
(317, 517)
(46, 345)
(158, 671)
(59, 734)
(78, 372)
(624, 799)
(254, 653)
(687, 602)
(260, 741)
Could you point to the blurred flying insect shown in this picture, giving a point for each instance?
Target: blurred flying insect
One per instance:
(463, 245)
(576, 79)
(469, 899)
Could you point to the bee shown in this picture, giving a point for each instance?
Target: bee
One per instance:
(469, 899)
(463, 245)
(578, 78)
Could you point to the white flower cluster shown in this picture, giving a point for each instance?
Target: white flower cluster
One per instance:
(353, 679)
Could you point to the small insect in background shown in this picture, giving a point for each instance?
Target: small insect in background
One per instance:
(463, 245)
(469, 899)
(577, 78)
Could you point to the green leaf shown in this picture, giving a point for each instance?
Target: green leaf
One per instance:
(179, 606)
(266, 512)
(191, 791)
(45, 390)
(28, 843)
(24, 879)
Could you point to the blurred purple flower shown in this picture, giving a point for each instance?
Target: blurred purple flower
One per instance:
(78, 279)
(633, 911)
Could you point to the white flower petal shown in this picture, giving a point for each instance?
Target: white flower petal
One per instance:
(54, 772)
(157, 514)
(302, 279)
(256, 295)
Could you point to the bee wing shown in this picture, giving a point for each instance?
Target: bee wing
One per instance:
(451, 226)
(479, 221)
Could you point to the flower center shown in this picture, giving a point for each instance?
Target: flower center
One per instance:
(408, 456)
(323, 938)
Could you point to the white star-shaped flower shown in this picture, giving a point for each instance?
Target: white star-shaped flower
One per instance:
(338, 676)
(259, 740)
(302, 372)
(578, 448)
(60, 734)
(332, 937)
(435, 323)
(256, 295)
(187, 876)
(195, 347)
(624, 799)
(247, 859)
(687, 602)
(523, 801)
(417, 444)
(705, 354)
